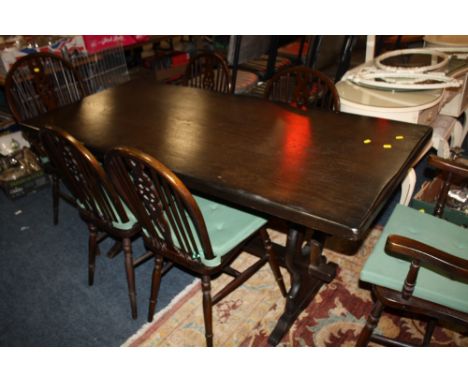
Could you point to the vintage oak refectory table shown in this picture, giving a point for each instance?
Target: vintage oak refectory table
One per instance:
(324, 173)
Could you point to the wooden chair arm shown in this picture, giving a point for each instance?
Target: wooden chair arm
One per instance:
(415, 250)
(456, 167)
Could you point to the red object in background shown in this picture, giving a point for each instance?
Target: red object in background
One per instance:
(96, 43)
(181, 58)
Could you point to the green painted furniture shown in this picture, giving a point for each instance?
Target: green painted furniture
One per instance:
(420, 264)
(200, 235)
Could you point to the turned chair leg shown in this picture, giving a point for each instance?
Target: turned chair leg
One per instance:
(155, 284)
(371, 324)
(207, 309)
(273, 261)
(130, 271)
(92, 246)
(429, 331)
(55, 196)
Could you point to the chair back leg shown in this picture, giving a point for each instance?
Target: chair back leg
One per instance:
(130, 271)
(207, 309)
(155, 284)
(55, 196)
(371, 324)
(92, 248)
(431, 324)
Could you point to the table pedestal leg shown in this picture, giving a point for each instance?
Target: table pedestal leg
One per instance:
(309, 270)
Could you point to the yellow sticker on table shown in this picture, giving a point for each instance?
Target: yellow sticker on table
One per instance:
(399, 137)
(367, 141)
(387, 146)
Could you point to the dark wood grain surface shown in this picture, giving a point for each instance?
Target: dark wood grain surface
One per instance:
(310, 168)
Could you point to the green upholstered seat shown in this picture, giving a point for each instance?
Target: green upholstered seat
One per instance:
(227, 227)
(390, 272)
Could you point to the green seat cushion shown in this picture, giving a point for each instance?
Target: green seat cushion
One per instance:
(117, 224)
(227, 227)
(390, 272)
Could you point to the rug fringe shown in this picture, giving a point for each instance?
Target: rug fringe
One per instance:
(186, 291)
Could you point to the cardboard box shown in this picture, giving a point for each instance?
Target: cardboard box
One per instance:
(22, 186)
(13, 145)
(425, 200)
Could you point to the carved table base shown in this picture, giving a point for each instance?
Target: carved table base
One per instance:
(309, 270)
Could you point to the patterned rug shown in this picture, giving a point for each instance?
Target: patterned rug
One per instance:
(247, 316)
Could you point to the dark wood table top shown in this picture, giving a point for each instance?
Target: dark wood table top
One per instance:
(310, 168)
